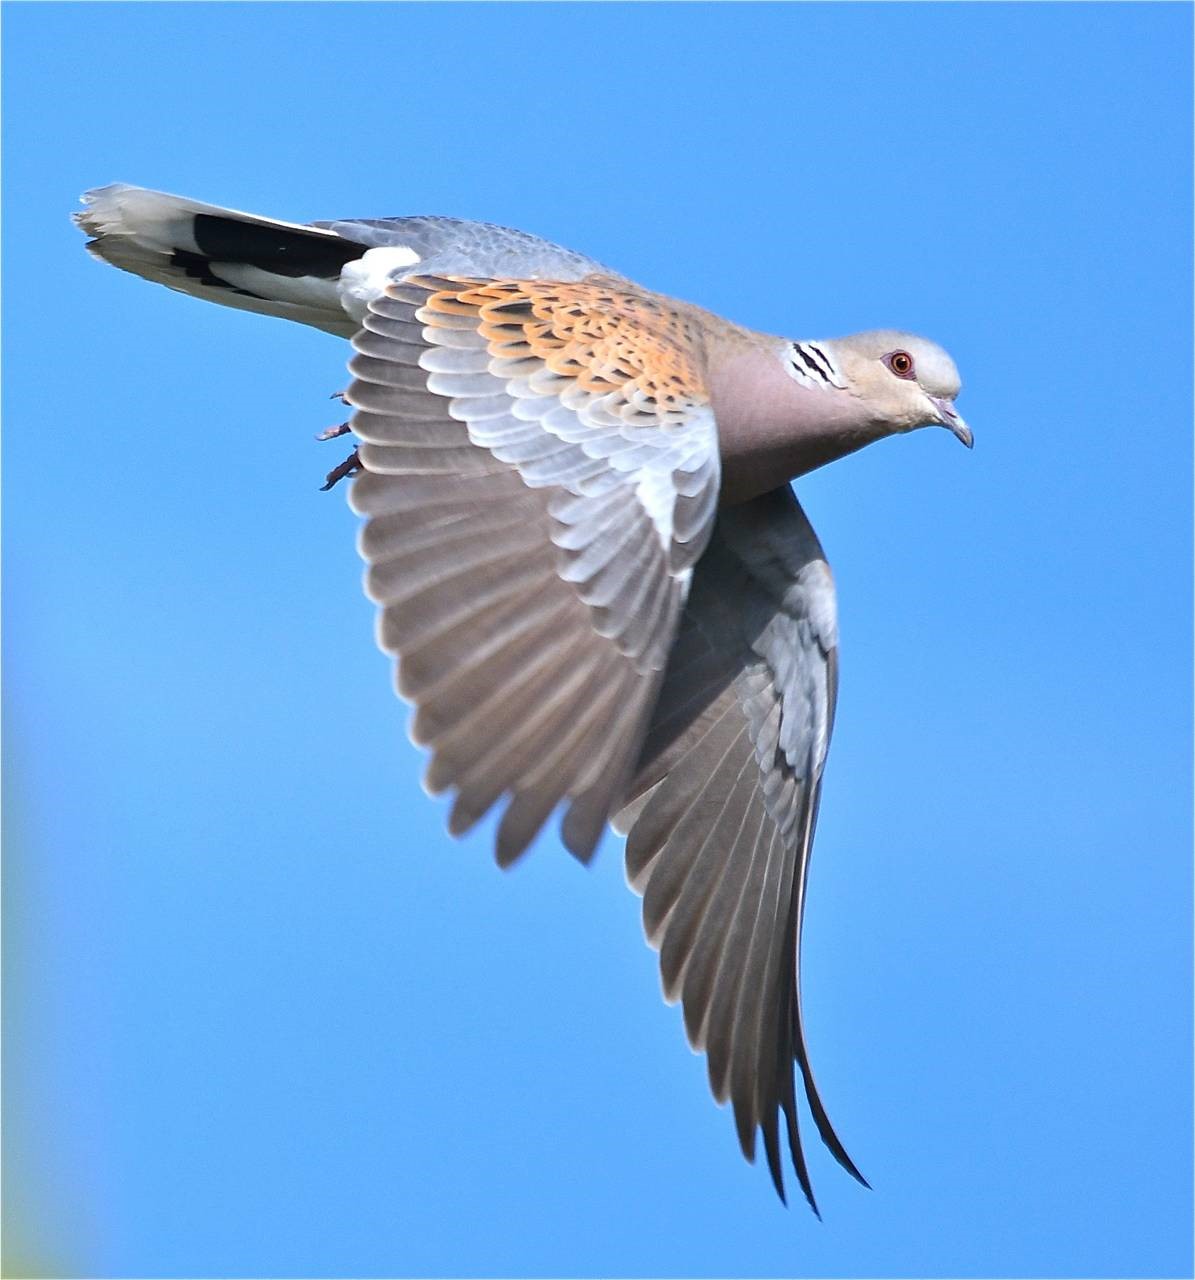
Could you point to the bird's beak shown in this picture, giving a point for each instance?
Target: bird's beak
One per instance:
(950, 419)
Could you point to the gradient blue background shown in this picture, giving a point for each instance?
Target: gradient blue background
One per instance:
(265, 1018)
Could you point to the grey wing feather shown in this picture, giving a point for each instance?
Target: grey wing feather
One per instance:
(527, 594)
(722, 808)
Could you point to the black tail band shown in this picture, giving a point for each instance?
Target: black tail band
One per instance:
(278, 249)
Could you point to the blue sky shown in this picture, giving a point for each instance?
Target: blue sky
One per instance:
(264, 1017)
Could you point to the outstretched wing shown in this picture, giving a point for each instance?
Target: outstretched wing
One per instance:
(540, 474)
(722, 809)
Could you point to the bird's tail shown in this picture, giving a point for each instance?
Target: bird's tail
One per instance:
(257, 264)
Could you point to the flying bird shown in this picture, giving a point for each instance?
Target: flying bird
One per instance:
(601, 592)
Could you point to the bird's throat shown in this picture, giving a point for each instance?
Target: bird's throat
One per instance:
(772, 429)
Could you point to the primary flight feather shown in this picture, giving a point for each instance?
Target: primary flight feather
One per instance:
(602, 594)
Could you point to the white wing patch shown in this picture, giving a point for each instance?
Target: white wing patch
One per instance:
(366, 278)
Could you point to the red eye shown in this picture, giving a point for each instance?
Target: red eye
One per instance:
(901, 363)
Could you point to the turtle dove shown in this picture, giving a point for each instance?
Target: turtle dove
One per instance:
(601, 592)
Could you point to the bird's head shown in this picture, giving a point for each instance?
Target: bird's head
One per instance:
(907, 381)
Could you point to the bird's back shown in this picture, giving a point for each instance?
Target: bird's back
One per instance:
(294, 270)
(457, 247)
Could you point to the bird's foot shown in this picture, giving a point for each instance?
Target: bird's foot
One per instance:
(349, 467)
(330, 433)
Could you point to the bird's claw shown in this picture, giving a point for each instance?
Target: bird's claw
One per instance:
(330, 433)
(349, 467)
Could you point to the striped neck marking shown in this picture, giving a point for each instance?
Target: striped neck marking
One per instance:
(811, 366)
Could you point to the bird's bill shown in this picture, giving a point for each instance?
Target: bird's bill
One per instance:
(950, 419)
